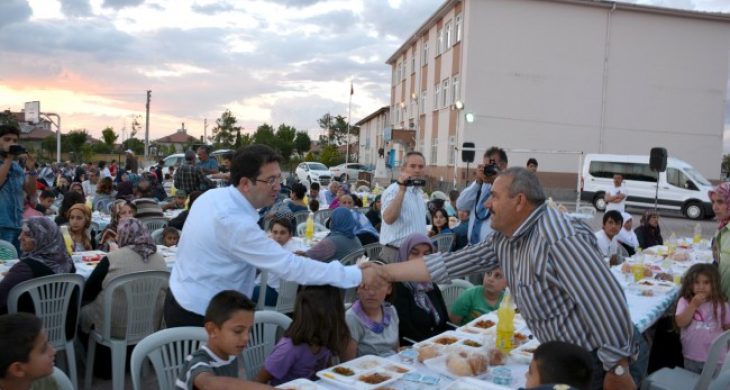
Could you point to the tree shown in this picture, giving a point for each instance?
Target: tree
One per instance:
(109, 137)
(224, 134)
(284, 141)
(265, 135)
(101, 148)
(7, 118)
(725, 167)
(74, 142)
(337, 128)
(49, 144)
(330, 156)
(135, 144)
(302, 143)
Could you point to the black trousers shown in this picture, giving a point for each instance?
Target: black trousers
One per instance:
(177, 316)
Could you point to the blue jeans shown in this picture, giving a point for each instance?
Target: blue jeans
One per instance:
(11, 235)
(637, 369)
(269, 299)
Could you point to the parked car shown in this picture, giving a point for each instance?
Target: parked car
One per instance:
(681, 187)
(348, 171)
(311, 172)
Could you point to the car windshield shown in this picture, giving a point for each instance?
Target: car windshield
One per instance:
(317, 167)
(697, 177)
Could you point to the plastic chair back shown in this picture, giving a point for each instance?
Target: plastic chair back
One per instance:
(7, 251)
(321, 216)
(352, 257)
(302, 228)
(56, 381)
(719, 348)
(301, 216)
(722, 382)
(452, 290)
(157, 236)
(154, 223)
(286, 298)
(167, 351)
(372, 251)
(444, 241)
(263, 336)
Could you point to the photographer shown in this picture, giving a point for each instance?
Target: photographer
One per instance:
(14, 184)
(474, 196)
(404, 209)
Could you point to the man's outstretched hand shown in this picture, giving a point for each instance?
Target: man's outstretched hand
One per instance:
(373, 275)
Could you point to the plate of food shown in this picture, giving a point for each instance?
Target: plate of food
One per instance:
(89, 257)
(487, 324)
(299, 384)
(449, 340)
(366, 372)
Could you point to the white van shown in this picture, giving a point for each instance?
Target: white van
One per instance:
(681, 187)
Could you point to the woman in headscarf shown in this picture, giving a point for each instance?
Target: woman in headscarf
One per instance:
(420, 305)
(71, 198)
(374, 213)
(43, 253)
(77, 187)
(137, 252)
(649, 233)
(720, 197)
(120, 210)
(340, 242)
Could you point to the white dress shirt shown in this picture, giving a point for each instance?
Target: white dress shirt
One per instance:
(412, 218)
(221, 247)
(607, 246)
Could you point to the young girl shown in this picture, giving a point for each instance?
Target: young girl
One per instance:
(439, 222)
(317, 333)
(281, 231)
(702, 314)
(373, 323)
(79, 221)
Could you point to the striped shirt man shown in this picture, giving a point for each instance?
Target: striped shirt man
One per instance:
(412, 217)
(558, 280)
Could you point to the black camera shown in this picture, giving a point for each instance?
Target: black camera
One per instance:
(491, 168)
(17, 150)
(414, 183)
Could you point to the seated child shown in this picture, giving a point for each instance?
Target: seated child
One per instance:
(479, 300)
(178, 202)
(45, 202)
(373, 323)
(26, 355)
(170, 236)
(281, 230)
(317, 333)
(314, 205)
(607, 237)
(228, 321)
(557, 362)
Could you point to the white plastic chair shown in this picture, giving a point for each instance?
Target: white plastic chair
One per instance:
(301, 216)
(444, 241)
(167, 351)
(372, 251)
(286, 298)
(141, 290)
(452, 290)
(321, 216)
(352, 257)
(157, 236)
(302, 228)
(722, 382)
(266, 326)
(7, 251)
(56, 381)
(679, 378)
(154, 223)
(51, 296)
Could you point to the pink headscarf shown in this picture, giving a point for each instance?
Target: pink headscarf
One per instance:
(723, 191)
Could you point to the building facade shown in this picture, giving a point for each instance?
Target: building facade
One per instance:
(551, 79)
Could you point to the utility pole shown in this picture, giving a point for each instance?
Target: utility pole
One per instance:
(147, 128)
(205, 130)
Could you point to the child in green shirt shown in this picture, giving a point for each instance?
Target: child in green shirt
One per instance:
(479, 300)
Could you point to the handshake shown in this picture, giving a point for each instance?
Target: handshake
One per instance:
(374, 275)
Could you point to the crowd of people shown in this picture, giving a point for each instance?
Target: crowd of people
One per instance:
(503, 231)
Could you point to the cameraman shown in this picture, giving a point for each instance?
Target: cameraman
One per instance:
(404, 209)
(14, 185)
(474, 196)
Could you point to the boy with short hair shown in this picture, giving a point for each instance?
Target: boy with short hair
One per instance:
(45, 202)
(606, 238)
(27, 356)
(479, 300)
(228, 321)
(170, 236)
(558, 362)
(178, 202)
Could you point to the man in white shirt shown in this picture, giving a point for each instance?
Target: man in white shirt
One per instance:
(616, 195)
(104, 170)
(89, 185)
(403, 206)
(221, 245)
(474, 196)
(606, 237)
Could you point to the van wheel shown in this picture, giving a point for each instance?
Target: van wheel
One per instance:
(693, 210)
(598, 202)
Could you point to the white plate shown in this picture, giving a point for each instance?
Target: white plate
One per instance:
(474, 384)
(459, 343)
(362, 366)
(438, 364)
(300, 384)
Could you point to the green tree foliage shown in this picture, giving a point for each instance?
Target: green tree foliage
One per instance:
(337, 129)
(302, 143)
(49, 144)
(330, 156)
(109, 137)
(135, 144)
(310, 157)
(265, 135)
(285, 140)
(725, 167)
(224, 134)
(7, 118)
(101, 148)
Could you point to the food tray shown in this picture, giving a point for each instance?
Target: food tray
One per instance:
(470, 342)
(363, 366)
(300, 384)
(476, 326)
(474, 384)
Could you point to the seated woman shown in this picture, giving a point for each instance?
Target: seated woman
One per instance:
(649, 233)
(79, 223)
(121, 209)
(340, 242)
(77, 187)
(137, 252)
(104, 195)
(421, 307)
(43, 253)
(364, 230)
(374, 213)
(439, 223)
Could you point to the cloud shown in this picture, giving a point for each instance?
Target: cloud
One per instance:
(388, 21)
(119, 4)
(212, 8)
(75, 8)
(296, 3)
(14, 11)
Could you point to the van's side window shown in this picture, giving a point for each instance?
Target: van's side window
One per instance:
(677, 178)
(630, 171)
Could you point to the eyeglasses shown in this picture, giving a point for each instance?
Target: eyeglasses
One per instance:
(272, 181)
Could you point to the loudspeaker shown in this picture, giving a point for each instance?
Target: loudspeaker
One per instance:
(658, 159)
(467, 156)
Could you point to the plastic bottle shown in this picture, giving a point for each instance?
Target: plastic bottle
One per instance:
(89, 200)
(672, 244)
(309, 230)
(365, 200)
(697, 234)
(67, 239)
(505, 324)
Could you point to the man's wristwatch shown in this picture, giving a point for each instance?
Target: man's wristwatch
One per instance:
(618, 370)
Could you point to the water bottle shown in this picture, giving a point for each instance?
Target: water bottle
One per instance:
(505, 324)
(309, 230)
(697, 234)
(364, 200)
(672, 244)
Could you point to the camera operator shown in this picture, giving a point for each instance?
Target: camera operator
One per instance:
(404, 209)
(474, 196)
(14, 184)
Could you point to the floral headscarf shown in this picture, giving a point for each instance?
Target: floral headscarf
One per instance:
(723, 191)
(418, 289)
(49, 249)
(131, 232)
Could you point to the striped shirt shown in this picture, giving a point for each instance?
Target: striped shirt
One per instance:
(204, 360)
(412, 218)
(558, 280)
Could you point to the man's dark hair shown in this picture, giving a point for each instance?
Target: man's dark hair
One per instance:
(17, 335)
(224, 304)
(497, 150)
(613, 215)
(559, 362)
(299, 190)
(454, 195)
(248, 160)
(284, 222)
(314, 186)
(205, 148)
(532, 161)
(190, 155)
(144, 187)
(7, 129)
(45, 194)
(313, 205)
(102, 164)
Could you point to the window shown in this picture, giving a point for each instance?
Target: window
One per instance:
(414, 108)
(445, 93)
(459, 27)
(424, 53)
(452, 150)
(413, 64)
(630, 171)
(397, 70)
(449, 35)
(423, 101)
(440, 48)
(455, 91)
(395, 77)
(436, 97)
(434, 150)
(677, 178)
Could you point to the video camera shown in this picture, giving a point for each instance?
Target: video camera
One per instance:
(414, 183)
(491, 168)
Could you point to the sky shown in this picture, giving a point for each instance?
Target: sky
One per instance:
(273, 61)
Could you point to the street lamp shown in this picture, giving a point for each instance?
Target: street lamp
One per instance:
(469, 117)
